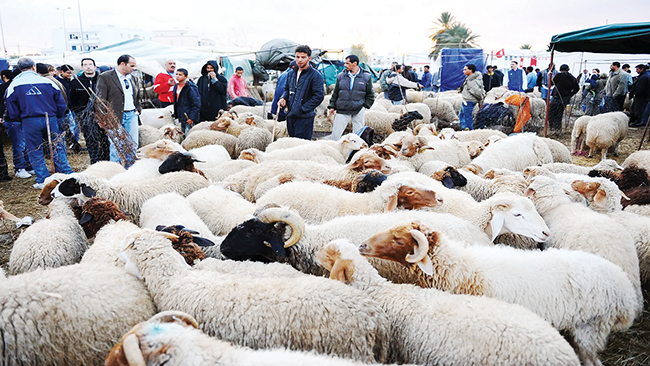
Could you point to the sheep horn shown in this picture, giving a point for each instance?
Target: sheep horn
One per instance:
(423, 247)
(175, 316)
(132, 352)
(280, 214)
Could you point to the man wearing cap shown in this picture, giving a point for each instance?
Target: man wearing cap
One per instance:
(38, 103)
(565, 87)
(120, 89)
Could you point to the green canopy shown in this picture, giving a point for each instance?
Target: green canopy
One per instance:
(613, 38)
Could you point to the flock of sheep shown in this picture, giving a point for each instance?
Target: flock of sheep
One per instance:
(237, 245)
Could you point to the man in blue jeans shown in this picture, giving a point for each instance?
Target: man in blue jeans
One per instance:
(22, 168)
(120, 89)
(38, 102)
(472, 92)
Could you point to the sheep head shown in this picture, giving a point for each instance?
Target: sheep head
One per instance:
(425, 129)
(179, 161)
(590, 191)
(450, 177)
(411, 196)
(367, 181)
(251, 154)
(96, 213)
(407, 244)
(262, 237)
(330, 257)
(475, 148)
(128, 352)
(46, 196)
(368, 160)
(188, 242)
(412, 145)
(72, 188)
(385, 151)
(517, 215)
(160, 149)
(172, 132)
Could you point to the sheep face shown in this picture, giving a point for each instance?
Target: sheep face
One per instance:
(178, 161)
(517, 216)
(384, 151)
(591, 191)
(248, 241)
(71, 188)
(172, 132)
(412, 145)
(368, 181)
(475, 148)
(96, 213)
(160, 149)
(329, 257)
(369, 160)
(46, 196)
(398, 243)
(413, 198)
(352, 141)
(450, 177)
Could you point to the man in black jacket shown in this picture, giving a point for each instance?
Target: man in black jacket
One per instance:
(213, 88)
(303, 92)
(641, 94)
(80, 90)
(566, 86)
(187, 101)
(352, 95)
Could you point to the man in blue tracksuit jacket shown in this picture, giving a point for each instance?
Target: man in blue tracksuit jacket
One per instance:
(29, 97)
(303, 92)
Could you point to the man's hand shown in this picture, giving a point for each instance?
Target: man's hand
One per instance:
(332, 111)
(282, 103)
(190, 122)
(212, 75)
(171, 82)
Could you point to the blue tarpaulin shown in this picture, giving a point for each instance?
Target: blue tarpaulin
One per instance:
(453, 60)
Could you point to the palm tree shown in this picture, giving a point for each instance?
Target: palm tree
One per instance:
(526, 46)
(456, 36)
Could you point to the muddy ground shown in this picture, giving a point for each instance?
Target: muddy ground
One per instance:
(629, 348)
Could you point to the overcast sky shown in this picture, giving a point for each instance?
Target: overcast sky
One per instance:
(384, 27)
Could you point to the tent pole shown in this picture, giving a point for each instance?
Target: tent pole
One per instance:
(548, 95)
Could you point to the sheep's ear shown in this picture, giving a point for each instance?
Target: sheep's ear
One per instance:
(277, 244)
(85, 218)
(448, 182)
(341, 271)
(600, 197)
(202, 242)
(391, 205)
(425, 148)
(529, 192)
(87, 191)
(426, 265)
(496, 223)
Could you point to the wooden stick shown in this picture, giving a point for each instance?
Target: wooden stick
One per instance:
(49, 139)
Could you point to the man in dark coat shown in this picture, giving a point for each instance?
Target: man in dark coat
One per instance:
(187, 101)
(213, 89)
(303, 92)
(641, 94)
(566, 86)
(80, 90)
(120, 89)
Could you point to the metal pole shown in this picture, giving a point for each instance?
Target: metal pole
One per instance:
(548, 95)
(49, 139)
(65, 32)
(81, 28)
(4, 47)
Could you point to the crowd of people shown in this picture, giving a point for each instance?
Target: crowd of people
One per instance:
(47, 107)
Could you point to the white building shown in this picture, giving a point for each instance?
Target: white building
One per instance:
(180, 38)
(94, 36)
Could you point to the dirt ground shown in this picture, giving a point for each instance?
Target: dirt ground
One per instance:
(629, 348)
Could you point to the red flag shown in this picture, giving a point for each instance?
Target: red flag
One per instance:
(521, 61)
(500, 53)
(533, 61)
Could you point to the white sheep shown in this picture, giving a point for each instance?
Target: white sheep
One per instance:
(317, 202)
(605, 131)
(160, 150)
(209, 137)
(256, 110)
(605, 164)
(574, 226)
(300, 152)
(49, 243)
(157, 117)
(578, 134)
(226, 169)
(484, 331)
(103, 169)
(245, 310)
(638, 159)
(560, 153)
(575, 291)
(148, 134)
(345, 145)
(69, 315)
(142, 169)
(441, 109)
(480, 135)
(130, 196)
(380, 122)
(418, 150)
(220, 209)
(515, 153)
(255, 137)
(172, 338)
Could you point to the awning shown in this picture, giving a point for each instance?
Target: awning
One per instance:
(613, 38)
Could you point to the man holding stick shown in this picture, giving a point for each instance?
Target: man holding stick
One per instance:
(39, 104)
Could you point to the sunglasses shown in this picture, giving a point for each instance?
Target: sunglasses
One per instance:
(126, 83)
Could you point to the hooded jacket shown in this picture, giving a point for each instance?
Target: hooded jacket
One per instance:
(213, 92)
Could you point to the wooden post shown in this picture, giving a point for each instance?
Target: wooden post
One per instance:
(548, 96)
(49, 140)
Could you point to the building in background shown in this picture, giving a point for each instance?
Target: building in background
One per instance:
(94, 36)
(181, 38)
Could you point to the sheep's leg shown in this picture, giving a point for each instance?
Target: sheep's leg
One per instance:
(591, 152)
(589, 339)
(603, 154)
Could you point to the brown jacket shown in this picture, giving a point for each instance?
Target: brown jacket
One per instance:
(110, 89)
